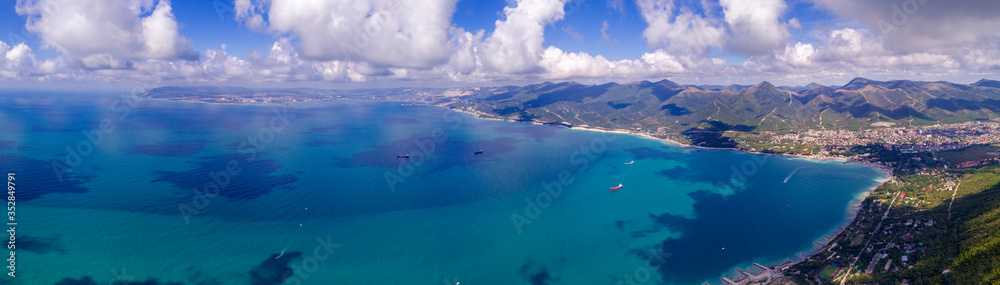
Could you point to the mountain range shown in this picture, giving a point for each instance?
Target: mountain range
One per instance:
(668, 109)
(665, 107)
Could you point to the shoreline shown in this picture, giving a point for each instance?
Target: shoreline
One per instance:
(854, 207)
(486, 116)
(851, 212)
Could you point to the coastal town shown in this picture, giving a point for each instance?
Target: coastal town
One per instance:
(900, 223)
(909, 139)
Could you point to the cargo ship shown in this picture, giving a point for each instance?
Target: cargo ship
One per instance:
(616, 187)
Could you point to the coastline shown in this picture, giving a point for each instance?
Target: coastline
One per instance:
(851, 214)
(820, 244)
(486, 116)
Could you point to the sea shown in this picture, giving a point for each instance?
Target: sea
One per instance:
(115, 189)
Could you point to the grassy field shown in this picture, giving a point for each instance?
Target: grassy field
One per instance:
(829, 272)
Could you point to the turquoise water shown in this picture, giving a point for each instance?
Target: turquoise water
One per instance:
(313, 194)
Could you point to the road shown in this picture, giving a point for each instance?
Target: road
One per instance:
(870, 237)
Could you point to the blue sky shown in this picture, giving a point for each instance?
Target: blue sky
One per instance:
(465, 42)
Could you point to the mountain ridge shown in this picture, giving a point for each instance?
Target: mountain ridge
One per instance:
(665, 107)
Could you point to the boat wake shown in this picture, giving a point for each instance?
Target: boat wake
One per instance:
(282, 253)
(793, 173)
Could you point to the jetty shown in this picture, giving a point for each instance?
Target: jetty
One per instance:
(764, 277)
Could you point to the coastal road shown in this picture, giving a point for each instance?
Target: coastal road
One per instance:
(870, 237)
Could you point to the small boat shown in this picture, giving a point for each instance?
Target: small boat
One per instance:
(402, 156)
(630, 162)
(479, 152)
(616, 187)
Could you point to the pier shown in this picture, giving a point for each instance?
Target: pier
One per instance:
(761, 266)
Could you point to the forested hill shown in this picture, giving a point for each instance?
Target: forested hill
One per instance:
(667, 107)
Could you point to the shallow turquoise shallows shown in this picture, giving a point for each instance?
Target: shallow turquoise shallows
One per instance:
(315, 193)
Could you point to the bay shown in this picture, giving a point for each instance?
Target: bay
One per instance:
(314, 192)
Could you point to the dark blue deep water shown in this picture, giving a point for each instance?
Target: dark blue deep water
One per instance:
(113, 190)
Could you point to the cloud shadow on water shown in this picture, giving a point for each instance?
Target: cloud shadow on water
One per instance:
(254, 179)
(709, 244)
(38, 176)
(274, 270)
(536, 274)
(40, 245)
(86, 280)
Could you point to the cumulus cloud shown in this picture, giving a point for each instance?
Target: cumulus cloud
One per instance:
(754, 26)
(391, 33)
(17, 53)
(798, 55)
(395, 40)
(682, 32)
(14, 61)
(107, 33)
(515, 46)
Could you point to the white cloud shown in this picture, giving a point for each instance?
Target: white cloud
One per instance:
(754, 26)
(16, 61)
(924, 26)
(17, 53)
(798, 55)
(393, 40)
(617, 5)
(392, 33)
(605, 37)
(107, 33)
(794, 23)
(515, 46)
(685, 33)
(250, 15)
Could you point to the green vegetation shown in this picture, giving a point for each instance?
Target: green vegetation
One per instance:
(665, 108)
(961, 246)
(975, 152)
(762, 143)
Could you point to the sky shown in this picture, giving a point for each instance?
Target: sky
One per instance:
(451, 43)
